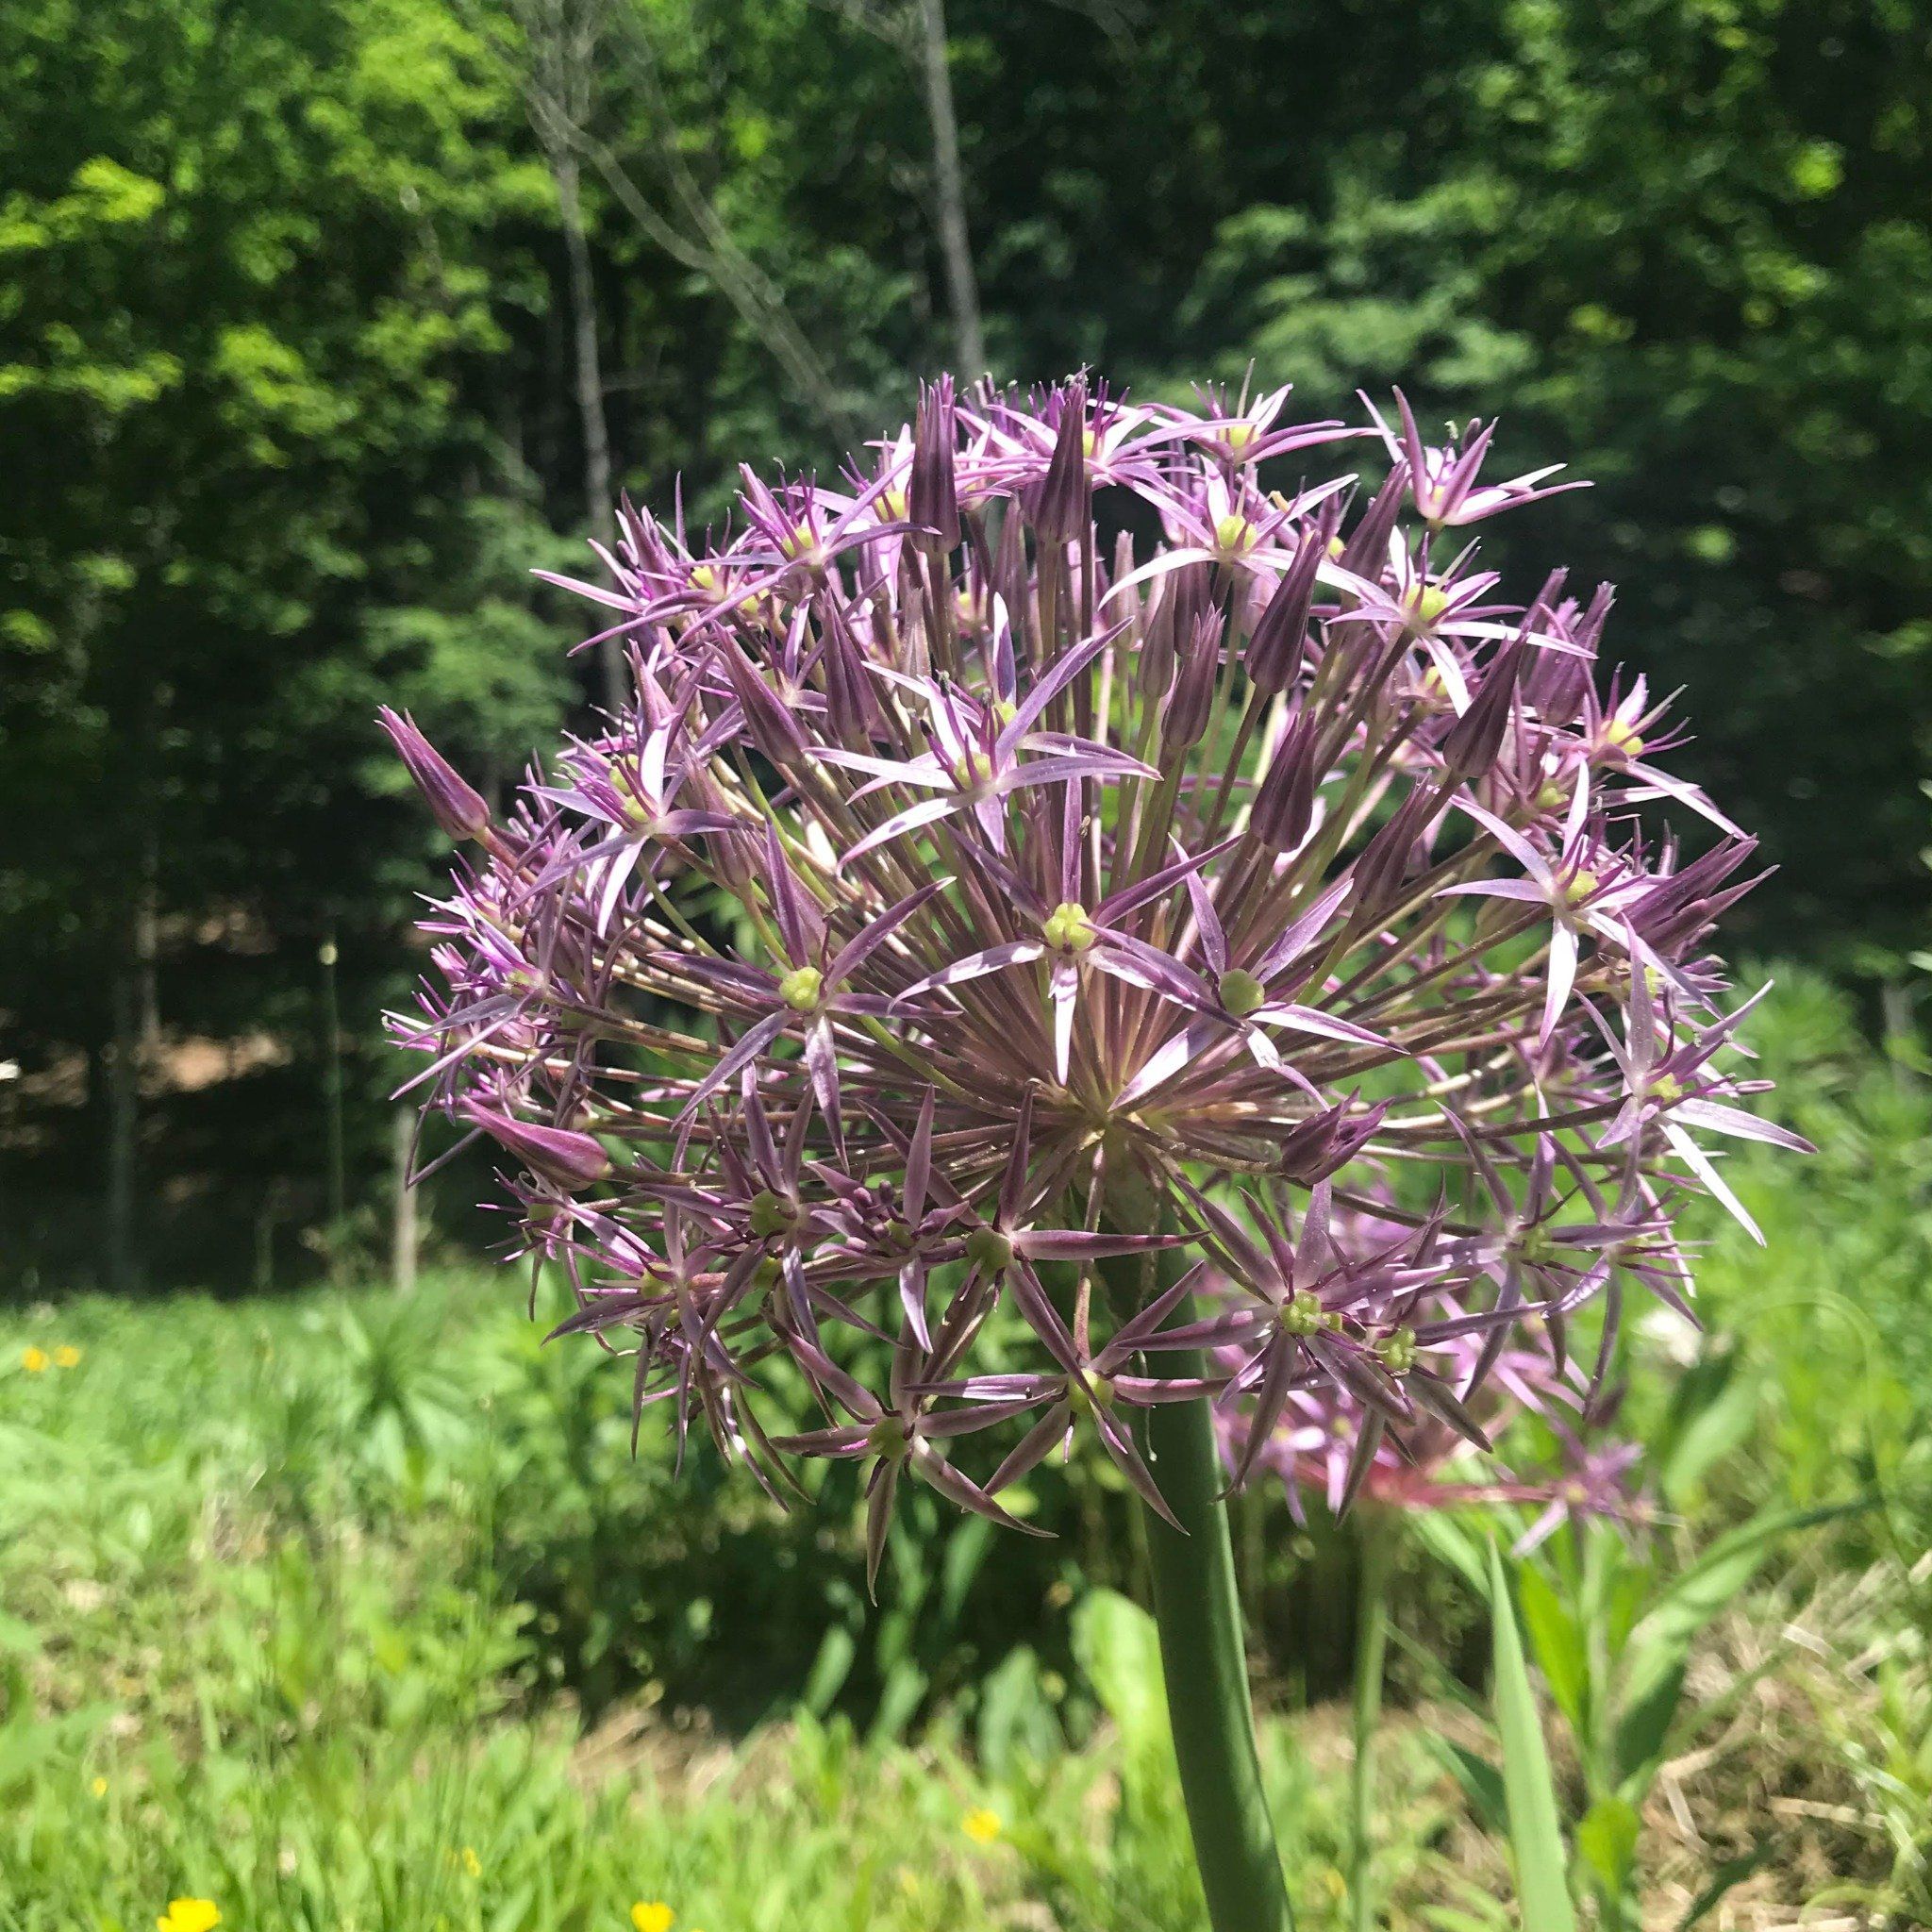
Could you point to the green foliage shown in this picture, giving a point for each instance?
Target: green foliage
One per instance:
(286, 331)
(1825, 1335)
(254, 273)
(1677, 244)
(1610, 1628)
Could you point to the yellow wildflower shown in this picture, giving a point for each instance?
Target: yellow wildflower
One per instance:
(981, 1826)
(472, 1863)
(34, 1360)
(67, 1357)
(652, 1915)
(99, 1787)
(190, 1915)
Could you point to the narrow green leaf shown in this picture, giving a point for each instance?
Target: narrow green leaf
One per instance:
(838, 1649)
(1474, 1909)
(1556, 1640)
(1643, 1725)
(1481, 1782)
(966, 1549)
(1447, 1919)
(1118, 1649)
(1440, 1680)
(1529, 1790)
(1708, 1432)
(899, 1697)
(1608, 1840)
(1450, 1545)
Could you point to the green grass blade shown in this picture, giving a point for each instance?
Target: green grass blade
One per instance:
(1528, 1788)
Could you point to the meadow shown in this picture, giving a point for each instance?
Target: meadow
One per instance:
(354, 1611)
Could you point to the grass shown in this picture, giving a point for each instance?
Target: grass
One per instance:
(258, 1644)
(356, 1614)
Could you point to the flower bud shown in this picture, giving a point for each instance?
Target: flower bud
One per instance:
(1274, 658)
(1318, 1146)
(459, 807)
(1285, 802)
(1385, 860)
(849, 701)
(556, 1154)
(1061, 507)
(1367, 549)
(933, 502)
(1473, 742)
(1192, 699)
(770, 721)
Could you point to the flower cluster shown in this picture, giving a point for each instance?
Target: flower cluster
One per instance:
(36, 1361)
(1324, 1440)
(980, 909)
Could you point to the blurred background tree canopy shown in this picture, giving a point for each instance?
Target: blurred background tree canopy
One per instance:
(323, 321)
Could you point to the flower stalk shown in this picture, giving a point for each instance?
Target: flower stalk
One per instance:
(1205, 1661)
(1377, 1548)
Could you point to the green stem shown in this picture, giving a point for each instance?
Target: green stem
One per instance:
(1371, 1642)
(1204, 1658)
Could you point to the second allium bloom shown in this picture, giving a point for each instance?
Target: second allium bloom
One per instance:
(1101, 910)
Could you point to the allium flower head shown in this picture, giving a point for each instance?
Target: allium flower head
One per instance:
(1096, 921)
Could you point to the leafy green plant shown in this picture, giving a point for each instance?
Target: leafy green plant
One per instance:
(1610, 1626)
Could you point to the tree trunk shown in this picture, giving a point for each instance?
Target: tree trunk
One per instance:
(336, 1177)
(135, 1020)
(598, 493)
(147, 941)
(124, 1129)
(949, 188)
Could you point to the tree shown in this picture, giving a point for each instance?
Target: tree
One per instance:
(237, 323)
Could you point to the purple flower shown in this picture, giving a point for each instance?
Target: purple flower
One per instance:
(968, 913)
(1328, 1440)
(1444, 481)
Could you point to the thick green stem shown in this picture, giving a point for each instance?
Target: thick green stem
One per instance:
(1205, 1663)
(1371, 1642)
(1203, 1653)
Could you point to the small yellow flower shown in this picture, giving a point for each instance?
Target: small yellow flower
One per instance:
(472, 1863)
(67, 1357)
(652, 1915)
(99, 1787)
(981, 1826)
(34, 1360)
(190, 1915)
